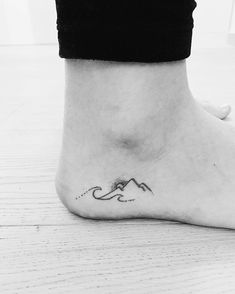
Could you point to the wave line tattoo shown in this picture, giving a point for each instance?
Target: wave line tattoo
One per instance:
(122, 192)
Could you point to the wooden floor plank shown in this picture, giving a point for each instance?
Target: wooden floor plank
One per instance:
(117, 257)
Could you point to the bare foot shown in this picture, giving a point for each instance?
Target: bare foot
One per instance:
(131, 150)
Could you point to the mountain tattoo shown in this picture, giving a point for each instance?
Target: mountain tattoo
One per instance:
(122, 192)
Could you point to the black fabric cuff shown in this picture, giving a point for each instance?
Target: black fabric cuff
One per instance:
(129, 44)
(125, 30)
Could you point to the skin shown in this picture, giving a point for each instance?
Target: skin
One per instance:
(140, 121)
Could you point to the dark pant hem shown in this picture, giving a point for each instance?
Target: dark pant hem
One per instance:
(129, 45)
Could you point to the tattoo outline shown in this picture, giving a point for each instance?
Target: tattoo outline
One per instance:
(122, 192)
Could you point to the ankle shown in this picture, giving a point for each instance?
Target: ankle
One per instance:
(126, 102)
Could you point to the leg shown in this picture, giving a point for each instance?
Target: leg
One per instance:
(137, 144)
(76, 30)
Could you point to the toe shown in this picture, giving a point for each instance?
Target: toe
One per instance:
(220, 112)
(225, 110)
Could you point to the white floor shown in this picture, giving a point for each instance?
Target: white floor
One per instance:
(46, 249)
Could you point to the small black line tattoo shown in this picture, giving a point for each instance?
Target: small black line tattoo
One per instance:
(124, 191)
(83, 194)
